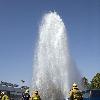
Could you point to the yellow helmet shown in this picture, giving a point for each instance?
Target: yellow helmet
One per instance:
(27, 91)
(36, 92)
(2, 92)
(74, 85)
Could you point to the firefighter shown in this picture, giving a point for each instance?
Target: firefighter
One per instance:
(26, 95)
(5, 96)
(35, 96)
(1, 94)
(75, 93)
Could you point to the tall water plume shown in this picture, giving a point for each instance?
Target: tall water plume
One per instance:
(53, 70)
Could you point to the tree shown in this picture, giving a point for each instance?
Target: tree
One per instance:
(85, 83)
(95, 83)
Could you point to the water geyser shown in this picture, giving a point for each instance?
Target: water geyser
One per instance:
(53, 69)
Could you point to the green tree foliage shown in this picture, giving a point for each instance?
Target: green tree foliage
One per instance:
(85, 83)
(95, 83)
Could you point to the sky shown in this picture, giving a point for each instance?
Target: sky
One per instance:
(19, 24)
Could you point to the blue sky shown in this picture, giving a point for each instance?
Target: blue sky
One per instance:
(19, 22)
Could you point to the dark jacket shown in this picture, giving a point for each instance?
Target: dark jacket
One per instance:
(25, 96)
